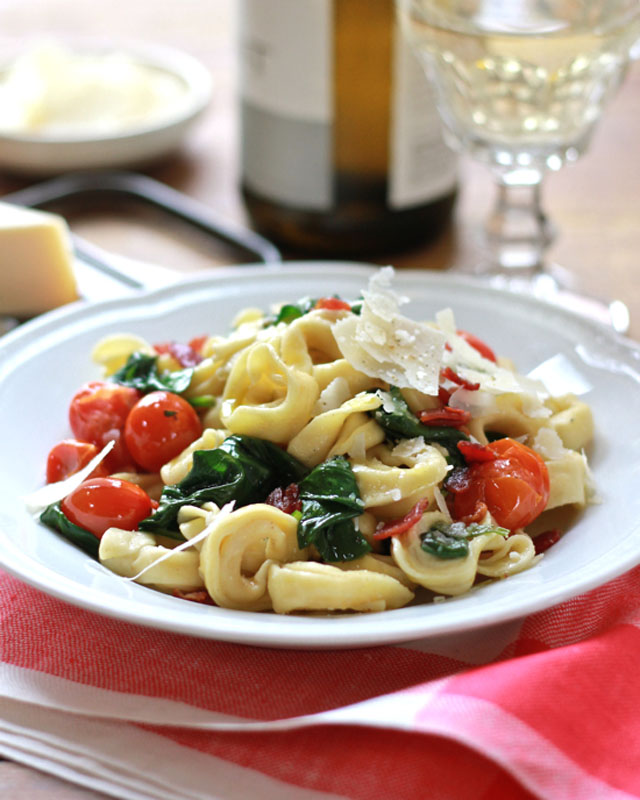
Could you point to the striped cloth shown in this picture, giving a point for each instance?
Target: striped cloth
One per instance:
(546, 707)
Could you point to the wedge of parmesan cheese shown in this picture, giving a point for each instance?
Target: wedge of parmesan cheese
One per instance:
(384, 344)
(36, 271)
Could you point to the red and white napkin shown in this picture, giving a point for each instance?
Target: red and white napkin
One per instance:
(547, 707)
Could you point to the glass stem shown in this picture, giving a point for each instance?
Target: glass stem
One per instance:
(518, 230)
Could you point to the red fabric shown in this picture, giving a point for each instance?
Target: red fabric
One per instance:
(558, 708)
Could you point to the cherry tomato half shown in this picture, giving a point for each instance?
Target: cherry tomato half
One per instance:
(332, 304)
(478, 345)
(97, 415)
(70, 456)
(101, 503)
(159, 427)
(514, 487)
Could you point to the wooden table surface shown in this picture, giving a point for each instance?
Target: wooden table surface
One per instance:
(594, 203)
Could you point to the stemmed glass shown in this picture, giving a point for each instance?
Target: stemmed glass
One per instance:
(520, 85)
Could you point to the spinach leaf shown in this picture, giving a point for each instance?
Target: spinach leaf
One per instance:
(402, 423)
(291, 311)
(451, 539)
(242, 468)
(330, 501)
(141, 372)
(54, 517)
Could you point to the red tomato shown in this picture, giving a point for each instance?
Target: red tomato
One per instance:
(184, 354)
(514, 487)
(159, 427)
(97, 415)
(478, 345)
(70, 456)
(101, 503)
(198, 343)
(332, 304)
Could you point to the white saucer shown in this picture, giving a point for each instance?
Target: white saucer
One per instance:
(48, 155)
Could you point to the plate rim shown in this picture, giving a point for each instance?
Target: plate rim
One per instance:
(315, 636)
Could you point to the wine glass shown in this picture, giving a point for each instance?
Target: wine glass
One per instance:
(520, 85)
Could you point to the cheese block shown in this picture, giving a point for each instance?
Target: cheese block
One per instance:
(36, 257)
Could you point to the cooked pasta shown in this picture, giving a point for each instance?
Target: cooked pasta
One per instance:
(323, 457)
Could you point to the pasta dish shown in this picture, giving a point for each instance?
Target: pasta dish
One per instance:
(326, 456)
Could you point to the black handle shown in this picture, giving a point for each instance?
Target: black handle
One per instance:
(152, 192)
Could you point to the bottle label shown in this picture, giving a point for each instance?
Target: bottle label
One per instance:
(421, 166)
(287, 101)
(287, 107)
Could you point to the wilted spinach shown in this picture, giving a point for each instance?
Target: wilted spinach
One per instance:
(242, 468)
(401, 423)
(54, 517)
(330, 502)
(141, 373)
(451, 539)
(291, 311)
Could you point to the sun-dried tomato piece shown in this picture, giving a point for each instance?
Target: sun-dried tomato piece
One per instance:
(477, 344)
(545, 540)
(184, 354)
(473, 452)
(458, 480)
(397, 526)
(449, 375)
(287, 500)
(445, 417)
(197, 596)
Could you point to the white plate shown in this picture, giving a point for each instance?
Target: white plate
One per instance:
(43, 363)
(42, 155)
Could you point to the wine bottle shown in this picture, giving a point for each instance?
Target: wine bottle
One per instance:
(342, 151)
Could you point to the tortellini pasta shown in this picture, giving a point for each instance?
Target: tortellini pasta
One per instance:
(456, 576)
(391, 484)
(238, 551)
(310, 586)
(134, 554)
(300, 541)
(265, 397)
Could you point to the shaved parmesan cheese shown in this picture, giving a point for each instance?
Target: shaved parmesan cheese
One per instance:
(387, 401)
(446, 321)
(533, 407)
(440, 501)
(380, 296)
(164, 553)
(384, 344)
(561, 377)
(467, 362)
(37, 501)
(413, 451)
(477, 402)
(332, 396)
(358, 449)
(548, 444)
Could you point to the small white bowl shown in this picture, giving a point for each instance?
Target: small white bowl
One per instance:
(50, 155)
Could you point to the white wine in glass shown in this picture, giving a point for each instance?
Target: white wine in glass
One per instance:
(521, 85)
